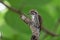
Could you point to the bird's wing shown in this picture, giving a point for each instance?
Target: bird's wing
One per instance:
(40, 21)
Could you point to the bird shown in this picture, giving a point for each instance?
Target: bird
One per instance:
(36, 19)
(37, 24)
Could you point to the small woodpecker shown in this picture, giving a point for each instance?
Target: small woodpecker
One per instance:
(36, 19)
(36, 24)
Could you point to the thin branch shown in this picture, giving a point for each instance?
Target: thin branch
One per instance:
(11, 8)
(22, 16)
(49, 32)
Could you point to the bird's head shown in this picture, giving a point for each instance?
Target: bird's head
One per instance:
(33, 12)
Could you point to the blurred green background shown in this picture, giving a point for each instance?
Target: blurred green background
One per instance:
(13, 28)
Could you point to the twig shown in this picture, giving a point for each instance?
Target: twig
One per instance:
(22, 16)
(49, 32)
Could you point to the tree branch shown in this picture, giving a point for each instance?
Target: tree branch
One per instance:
(22, 16)
(49, 32)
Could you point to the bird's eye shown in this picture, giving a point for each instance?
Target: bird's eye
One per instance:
(33, 12)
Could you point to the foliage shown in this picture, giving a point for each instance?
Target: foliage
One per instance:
(14, 28)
